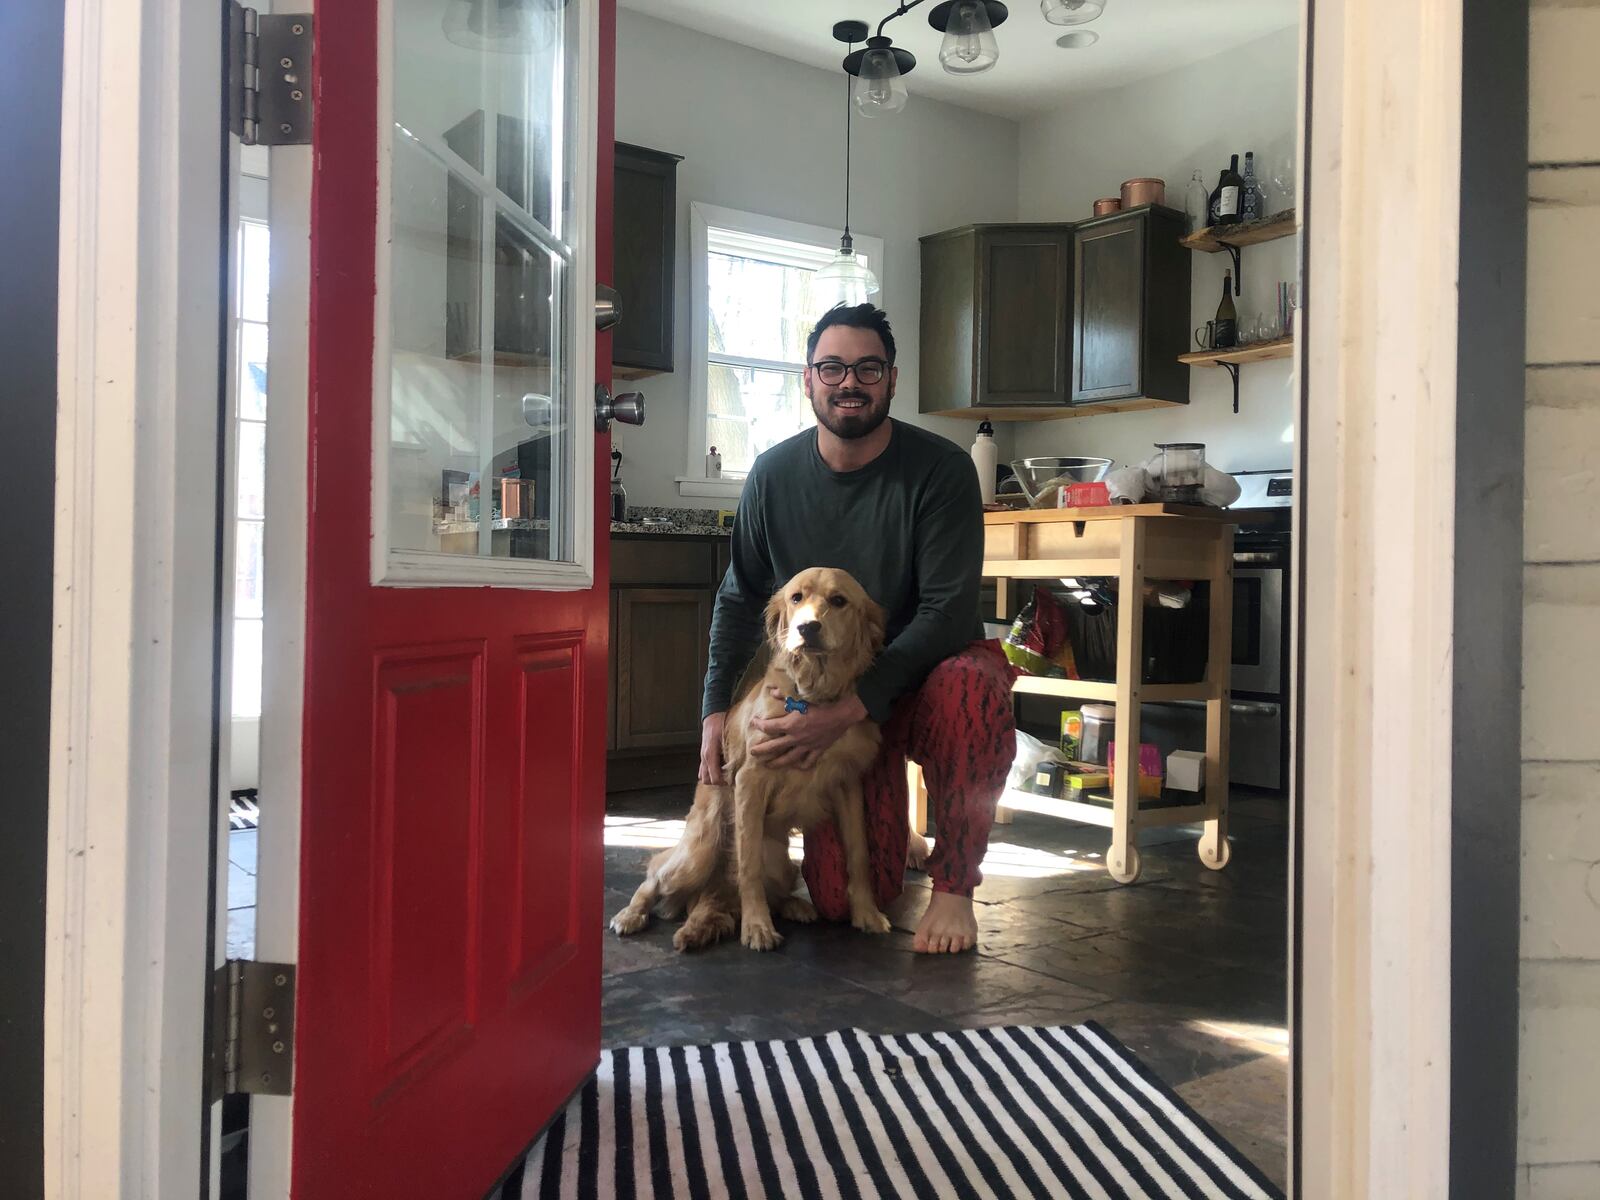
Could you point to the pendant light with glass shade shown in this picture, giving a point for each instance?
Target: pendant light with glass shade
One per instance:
(844, 280)
(1071, 12)
(968, 27)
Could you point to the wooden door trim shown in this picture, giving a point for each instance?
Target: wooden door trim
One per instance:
(133, 760)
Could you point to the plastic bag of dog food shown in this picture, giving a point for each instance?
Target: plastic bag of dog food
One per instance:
(1038, 643)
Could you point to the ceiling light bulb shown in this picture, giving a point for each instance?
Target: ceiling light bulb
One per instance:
(879, 87)
(1071, 12)
(969, 45)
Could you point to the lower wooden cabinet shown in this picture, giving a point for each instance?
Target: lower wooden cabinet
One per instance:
(659, 655)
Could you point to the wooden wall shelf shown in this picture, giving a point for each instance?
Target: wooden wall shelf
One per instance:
(1258, 352)
(1215, 238)
(1231, 359)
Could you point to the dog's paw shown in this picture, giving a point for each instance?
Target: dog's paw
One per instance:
(797, 908)
(917, 852)
(760, 935)
(870, 920)
(629, 921)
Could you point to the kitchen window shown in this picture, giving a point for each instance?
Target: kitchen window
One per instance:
(754, 301)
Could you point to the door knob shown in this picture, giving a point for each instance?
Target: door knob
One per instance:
(627, 408)
(607, 307)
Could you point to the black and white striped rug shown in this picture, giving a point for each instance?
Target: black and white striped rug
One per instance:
(1021, 1111)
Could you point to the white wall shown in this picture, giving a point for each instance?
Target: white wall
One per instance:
(1169, 126)
(1559, 1093)
(765, 134)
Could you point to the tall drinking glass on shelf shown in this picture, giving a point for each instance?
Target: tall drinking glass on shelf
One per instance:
(1196, 202)
(1282, 194)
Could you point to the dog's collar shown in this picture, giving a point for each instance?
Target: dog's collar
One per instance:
(792, 704)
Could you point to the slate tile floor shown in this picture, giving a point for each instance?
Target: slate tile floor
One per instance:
(1186, 967)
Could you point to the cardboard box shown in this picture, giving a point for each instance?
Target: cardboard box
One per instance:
(1186, 770)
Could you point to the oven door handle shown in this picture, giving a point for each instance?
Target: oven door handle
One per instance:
(1266, 558)
(1255, 708)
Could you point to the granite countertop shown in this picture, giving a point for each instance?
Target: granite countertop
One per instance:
(685, 522)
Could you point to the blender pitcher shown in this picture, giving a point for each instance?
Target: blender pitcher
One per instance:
(1183, 471)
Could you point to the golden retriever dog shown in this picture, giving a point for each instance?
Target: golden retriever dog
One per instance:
(732, 864)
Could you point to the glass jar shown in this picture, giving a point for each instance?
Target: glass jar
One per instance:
(1183, 471)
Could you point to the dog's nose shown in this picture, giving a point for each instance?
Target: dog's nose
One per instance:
(809, 629)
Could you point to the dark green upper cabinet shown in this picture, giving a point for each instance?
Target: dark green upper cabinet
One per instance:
(1130, 309)
(1027, 322)
(644, 238)
(996, 317)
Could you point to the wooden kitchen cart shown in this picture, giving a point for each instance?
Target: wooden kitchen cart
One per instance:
(1131, 543)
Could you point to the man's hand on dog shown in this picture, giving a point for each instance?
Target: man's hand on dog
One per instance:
(798, 739)
(711, 748)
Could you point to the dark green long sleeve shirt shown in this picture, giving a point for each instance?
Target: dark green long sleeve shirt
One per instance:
(908, 526)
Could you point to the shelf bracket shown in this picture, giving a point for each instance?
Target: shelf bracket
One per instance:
(1238, 267)
(1233, 369)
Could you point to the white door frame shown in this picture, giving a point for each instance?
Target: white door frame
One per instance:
(131, 708)
(131, 766)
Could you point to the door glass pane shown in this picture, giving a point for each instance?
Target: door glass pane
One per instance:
(750, 411)
(481, 209)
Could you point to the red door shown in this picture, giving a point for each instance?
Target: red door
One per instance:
(448, 994)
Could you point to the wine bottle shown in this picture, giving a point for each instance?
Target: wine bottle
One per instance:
(1227, 323)
(1253, 201)
(1226, 200)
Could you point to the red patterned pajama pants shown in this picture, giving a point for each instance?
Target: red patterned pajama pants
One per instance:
(959, 728)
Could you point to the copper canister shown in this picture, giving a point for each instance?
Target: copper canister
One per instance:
(1139, 192)
(1104, 207)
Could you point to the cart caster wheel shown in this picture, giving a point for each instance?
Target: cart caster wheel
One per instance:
(1216, 855)
(1124, 869)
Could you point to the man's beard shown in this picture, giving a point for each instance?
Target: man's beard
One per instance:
(857, 423)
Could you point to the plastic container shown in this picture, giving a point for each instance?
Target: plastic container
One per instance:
(1099, 728)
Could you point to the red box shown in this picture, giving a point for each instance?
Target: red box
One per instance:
(1085, 495)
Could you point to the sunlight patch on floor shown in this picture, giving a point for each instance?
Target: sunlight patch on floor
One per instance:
(1005, 860)
(1263, 1039)
(649, 833)
(1009, 861)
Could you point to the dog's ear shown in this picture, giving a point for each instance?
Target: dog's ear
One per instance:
(774, 617)
(876, 628)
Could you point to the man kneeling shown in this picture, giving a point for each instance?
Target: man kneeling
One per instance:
(899, 508)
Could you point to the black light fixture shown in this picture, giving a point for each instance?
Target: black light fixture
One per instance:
(879, 70)
(844, 280)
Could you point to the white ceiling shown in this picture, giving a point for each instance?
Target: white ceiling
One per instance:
(1138, 38)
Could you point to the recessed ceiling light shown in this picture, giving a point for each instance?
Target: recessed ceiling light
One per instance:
(1078, 40)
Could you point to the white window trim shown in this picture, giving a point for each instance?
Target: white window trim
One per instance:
(703, 218)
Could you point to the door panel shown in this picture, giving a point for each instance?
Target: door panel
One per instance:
(453, 728)
(1025, 284)
(1108, 303)
(662, 636)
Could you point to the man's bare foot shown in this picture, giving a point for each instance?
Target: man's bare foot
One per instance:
(917, 851)
(948, 927)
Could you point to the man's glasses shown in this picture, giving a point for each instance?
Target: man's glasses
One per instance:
(868, 371)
